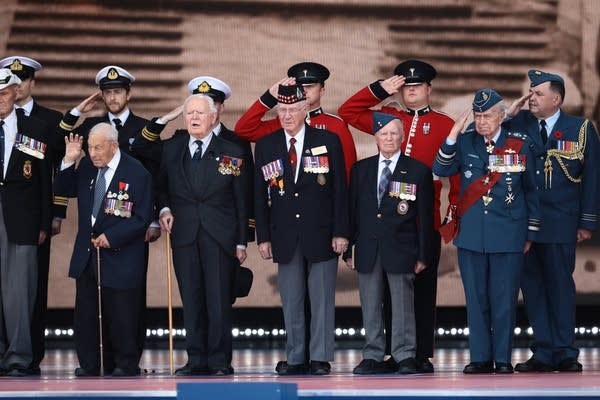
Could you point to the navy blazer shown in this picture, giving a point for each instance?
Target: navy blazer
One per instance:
(26, 189)
(123, 265)
(565, 205)
(513, 215)
(399, 239)
(218, 205)
(309, 212)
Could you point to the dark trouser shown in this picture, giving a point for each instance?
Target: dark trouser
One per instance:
(549, 294)
(38, 321)
(120, 324)
(425, 293)
(204, 273)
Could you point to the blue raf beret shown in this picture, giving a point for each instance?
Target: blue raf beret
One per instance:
(380, 120)
(537, 77)
(485, 99)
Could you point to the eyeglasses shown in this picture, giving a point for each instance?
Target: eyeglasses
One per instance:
(290, 110)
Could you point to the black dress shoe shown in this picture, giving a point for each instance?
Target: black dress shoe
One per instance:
(424, 366)
(503, 368)
(407, 366)
(118, 372)
(192, 370)
(482, 367)
(81, 372)
(369, 366)
(221, 371)
(283, 368)
(533, 365)
(320, 368)
(34, 370)
(569, 365)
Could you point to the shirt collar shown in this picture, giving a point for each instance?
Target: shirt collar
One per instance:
(27, 107)
(299, 136)
(394, 157)
(114, 162)
(122, 117)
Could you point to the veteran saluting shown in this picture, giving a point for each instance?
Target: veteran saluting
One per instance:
(114, 201)
(496, 218)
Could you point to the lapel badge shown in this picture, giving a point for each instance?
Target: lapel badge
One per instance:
(27, 169)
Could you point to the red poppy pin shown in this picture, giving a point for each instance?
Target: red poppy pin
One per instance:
(558, 134)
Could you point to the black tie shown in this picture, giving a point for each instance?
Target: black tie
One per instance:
(198, 153)
(21, 111)
(543, 131)
(2, 147)
(99, 191)
(118, 124)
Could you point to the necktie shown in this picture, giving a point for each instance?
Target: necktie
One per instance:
(99, 191)
(20, 111)
(543, 131)
(2, 148)
(293, 155)
(118, 124)
(198, 152)
(384, 181)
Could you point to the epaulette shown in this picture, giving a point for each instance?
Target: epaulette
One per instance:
(517, 135)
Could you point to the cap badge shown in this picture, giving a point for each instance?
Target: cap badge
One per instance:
(484, 96)
(305, 72)
(537, 72)
(204, 87)
(412, 71)
(299, 94)
(16, 65)
(112, 74)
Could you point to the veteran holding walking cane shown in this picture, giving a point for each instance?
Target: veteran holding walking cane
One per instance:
(114, 194)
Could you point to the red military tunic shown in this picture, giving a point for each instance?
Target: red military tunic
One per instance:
(251, 127)
(424, 132)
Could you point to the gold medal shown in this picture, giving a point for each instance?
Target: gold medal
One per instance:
(402, 207)
(321, 179)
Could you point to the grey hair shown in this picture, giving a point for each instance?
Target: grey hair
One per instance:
(105, 129)
(209, 101)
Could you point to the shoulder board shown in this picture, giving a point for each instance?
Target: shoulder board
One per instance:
(517, 135)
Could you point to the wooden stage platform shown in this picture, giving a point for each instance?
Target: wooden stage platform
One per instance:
(257, 366)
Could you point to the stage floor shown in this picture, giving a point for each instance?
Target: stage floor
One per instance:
(57, 378)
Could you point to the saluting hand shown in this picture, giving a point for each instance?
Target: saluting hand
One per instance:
(516, 106)
(285, 82)
(88, 103)
(459, 125)
(393, 84)
(73, 151)
(171, 115)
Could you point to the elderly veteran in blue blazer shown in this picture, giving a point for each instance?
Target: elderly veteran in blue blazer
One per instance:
(114, 201)
(496, 218)
(391, 218)
(566, 150)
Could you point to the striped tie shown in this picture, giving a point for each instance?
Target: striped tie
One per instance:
(384, 181)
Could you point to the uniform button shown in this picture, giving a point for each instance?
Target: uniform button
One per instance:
(88, 249)
(537, 172)
(297, 216)
(541, 157)
(485, 212)
(378, 215)
(296, 194)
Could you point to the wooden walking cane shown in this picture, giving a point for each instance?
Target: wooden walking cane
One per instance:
(100, 311)
(169, 299)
